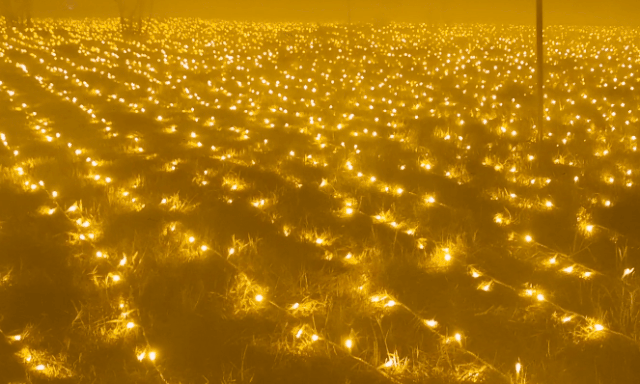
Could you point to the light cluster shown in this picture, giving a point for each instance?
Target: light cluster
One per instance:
(314, 163)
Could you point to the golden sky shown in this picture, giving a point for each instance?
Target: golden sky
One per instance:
(589, 12)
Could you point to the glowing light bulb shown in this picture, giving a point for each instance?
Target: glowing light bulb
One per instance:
(528, 238)
(540, 297)
(598, 327)
(259, 298)
(431, 323)
(314, 337)
(40, 367)
(130, 325)
(152, 356)
(192, 239)
(348, 343)
(518, 368)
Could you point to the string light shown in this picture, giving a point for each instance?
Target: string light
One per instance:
(353, 188)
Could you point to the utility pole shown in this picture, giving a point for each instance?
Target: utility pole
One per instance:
(540, 69)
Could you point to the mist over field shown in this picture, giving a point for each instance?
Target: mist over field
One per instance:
(563, 12)
(319, 192)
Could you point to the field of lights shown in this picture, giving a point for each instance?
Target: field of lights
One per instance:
(218, 202)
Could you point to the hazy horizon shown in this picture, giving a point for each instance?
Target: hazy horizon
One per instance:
(556, 12)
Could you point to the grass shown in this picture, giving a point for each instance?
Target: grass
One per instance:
(195, 239)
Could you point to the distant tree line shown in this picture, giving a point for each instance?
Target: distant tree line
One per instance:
(16, 13)
(132, 13)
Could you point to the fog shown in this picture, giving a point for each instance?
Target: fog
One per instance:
(340, 191)
(565, 12)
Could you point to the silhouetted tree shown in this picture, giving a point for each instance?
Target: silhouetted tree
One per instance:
(5, 11)
(16, 12)
(120, 4)
(131, 13)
